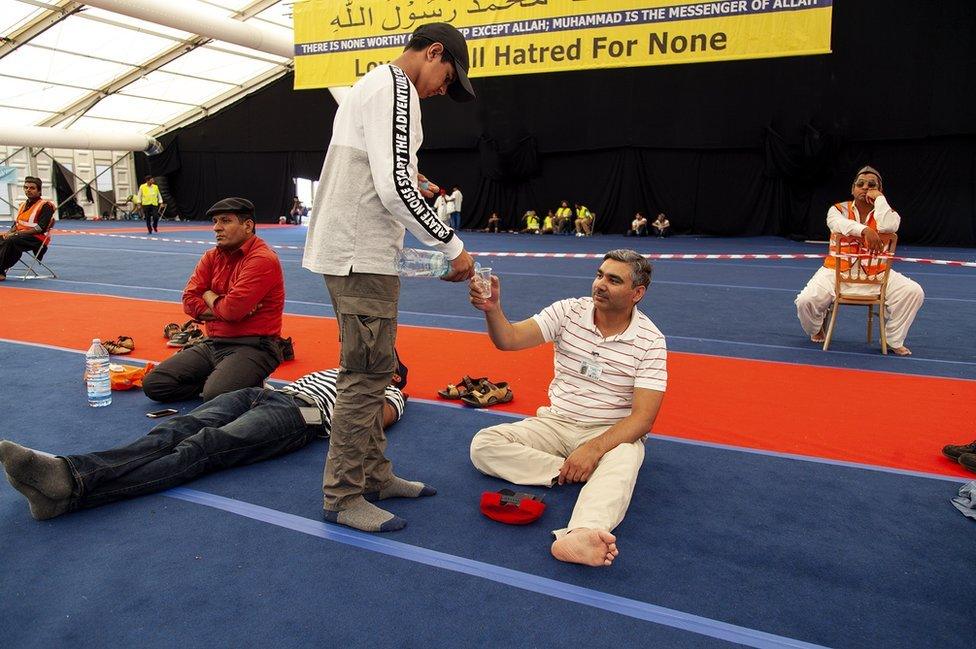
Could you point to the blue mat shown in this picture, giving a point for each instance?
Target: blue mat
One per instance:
(814, 552)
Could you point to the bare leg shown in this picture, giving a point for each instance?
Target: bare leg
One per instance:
(586, 546)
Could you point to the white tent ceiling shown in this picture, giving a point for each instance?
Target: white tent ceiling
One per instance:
(67, 65)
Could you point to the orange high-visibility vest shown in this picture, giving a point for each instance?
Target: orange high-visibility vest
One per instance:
(853, 247)
(27, 217)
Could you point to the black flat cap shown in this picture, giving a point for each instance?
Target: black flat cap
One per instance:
(452, 40)
(232, 205)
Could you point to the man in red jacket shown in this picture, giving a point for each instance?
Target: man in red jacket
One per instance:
(238, 290)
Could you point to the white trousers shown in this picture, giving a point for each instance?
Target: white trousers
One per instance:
(902, 301)
(531, 452)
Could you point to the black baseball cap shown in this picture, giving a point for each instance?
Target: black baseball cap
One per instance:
(452, 40)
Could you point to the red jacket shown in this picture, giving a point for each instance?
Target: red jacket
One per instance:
(252, 289)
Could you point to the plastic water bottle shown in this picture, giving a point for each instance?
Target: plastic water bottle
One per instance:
(411, 262)
(96, 375)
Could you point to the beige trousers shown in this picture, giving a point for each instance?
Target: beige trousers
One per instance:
(531, 452)
(902, 302)
(366, 308)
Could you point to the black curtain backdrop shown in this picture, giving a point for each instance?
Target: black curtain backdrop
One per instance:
(757, 147)
(64, 189)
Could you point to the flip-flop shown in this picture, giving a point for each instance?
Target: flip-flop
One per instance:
(457, 390)
(488, 394)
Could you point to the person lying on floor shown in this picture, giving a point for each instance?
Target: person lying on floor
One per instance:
(233, 429)
(610, 380)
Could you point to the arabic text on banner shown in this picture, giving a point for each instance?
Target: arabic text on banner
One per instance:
(338, 41)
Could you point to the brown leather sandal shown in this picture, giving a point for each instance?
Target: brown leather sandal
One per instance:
(120, 346)
(461, 388)
(488, 394)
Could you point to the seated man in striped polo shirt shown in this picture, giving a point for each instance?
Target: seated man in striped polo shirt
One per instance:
(610, 377)
(233, 429)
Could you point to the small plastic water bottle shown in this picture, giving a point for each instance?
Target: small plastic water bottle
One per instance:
(96, 375)
(411, 262)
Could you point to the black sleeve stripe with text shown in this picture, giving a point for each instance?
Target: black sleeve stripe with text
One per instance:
(418, 207)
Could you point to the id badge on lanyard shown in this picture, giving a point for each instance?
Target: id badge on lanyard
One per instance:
(591, 368)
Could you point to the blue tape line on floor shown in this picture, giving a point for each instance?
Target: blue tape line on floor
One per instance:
(533, 583)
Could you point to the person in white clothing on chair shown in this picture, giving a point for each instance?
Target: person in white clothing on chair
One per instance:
(865, 216)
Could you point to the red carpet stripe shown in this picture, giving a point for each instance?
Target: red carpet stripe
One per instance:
(882, 419)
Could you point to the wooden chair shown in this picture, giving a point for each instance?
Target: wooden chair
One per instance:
(854, 265)
(32, 261)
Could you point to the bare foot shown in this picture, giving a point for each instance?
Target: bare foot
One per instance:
(901, 351)
(819, 337)
(586, 546)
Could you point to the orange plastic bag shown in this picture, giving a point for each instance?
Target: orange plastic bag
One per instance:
(126, 377)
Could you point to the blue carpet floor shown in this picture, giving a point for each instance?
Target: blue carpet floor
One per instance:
(806, 551)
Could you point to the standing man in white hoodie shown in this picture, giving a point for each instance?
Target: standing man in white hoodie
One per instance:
(454, 207)
(368, 194)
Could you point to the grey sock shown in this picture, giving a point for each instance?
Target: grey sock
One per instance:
(400, 488)
(41, 507)
(366, 517)
(48, 475)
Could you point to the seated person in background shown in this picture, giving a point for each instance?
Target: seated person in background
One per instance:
(548, 223)
(609, 383)
(238, 289)
(296, 212)
(564, 218)
(865, 216)
(494, 221)
(661, 225)
(129, 207)
(584, 221)
(237, 428)
(28, 231)
(638, 227)
(531, 222)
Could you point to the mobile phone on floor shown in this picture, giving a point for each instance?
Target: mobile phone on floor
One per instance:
(165, 412)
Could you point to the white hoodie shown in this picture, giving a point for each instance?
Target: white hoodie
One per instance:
(367, 193)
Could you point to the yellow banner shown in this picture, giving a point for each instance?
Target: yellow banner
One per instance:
(338, 41)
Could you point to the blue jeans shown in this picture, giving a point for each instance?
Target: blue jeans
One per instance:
(455, 220)
(233, 429)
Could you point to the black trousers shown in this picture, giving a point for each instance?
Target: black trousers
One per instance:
(151, 212)
(213, 367)
(11, 249)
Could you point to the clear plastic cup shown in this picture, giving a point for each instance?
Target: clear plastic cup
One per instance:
(482, 276)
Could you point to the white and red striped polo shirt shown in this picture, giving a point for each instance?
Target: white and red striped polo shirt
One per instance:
(636, 358)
